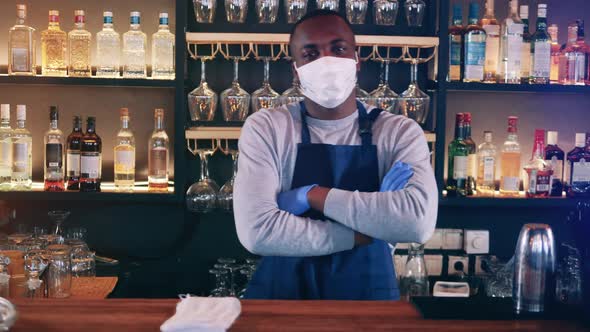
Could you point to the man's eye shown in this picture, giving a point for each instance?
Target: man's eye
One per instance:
(310, 55)
(339, 50)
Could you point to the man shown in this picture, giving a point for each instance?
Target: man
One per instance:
(324, 185)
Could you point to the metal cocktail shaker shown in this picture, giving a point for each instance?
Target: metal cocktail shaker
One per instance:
(534, 268)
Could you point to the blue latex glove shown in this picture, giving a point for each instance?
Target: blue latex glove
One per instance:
(295, 201)
(397, 177)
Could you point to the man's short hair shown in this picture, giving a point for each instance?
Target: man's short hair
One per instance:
(318, 13)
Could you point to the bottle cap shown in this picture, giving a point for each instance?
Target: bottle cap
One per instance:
(108, 14)
(459, 118)
(467, 117)
(580, 24)
(21, 7)
(539, 135)
(135, 14)
(21, 10)
(457, 11)
(524, 11)
(552, 138)
(474, 10)
(78, 12)
(163, 15)
(124, 111)
(53, 113)
(21, 112)
(5, 111)
(580, 140)
(487, 135)
(542, 11)
(512, 124)
(159, 112)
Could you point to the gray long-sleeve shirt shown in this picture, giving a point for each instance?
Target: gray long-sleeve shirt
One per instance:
(268, 150)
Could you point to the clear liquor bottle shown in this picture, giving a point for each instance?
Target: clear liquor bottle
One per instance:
(510, 161)
(125, 155)
(73, 155)
(22, 165)
(541, 50)
(555, 156)
(539, 171)
(134, 49)
(475, 47)
(525, 54)
(492, 29)
(158, 158)
(54, 142)
(108, 49)
(471, 157)
(458, 161)
(21, 46)
(79, 41)
(487, 161)
(585, 49)
(455, 45)
(163, 51)
(579, 167)
(572, 64)
(511, 46)
(555, 53)
(90, 158)
(54, 48)
(5, 148)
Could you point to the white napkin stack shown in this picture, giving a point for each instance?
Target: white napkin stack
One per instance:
(203, 314)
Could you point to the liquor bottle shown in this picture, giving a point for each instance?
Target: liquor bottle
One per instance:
(134, 49)
(90, 158)
(525, 54)
(511, 47)
(108, 49)
(580, 143)
(455, 44)
(555, 54)
(510, 161)
(555, 156)
(163, 51)
(125, 155)
(21, 45)
(54, 48)
(475, 47)
(471, 157)
(458, 161)
(579, 163)
(158, 155)
(585, 49)
(22, 165)
(79, 41)
(54, 142)
(5, 148)
(541, 50)
(539, 172)
(571, 66)
(73, 155)
(492, 29)
(486, 159)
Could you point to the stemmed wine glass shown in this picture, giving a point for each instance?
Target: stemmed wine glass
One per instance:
(295, 10)
(328, 4)
(220, 289)
(202, 101)
(362, 95)
(265, 97)
(267, 10)
(414, 103)
(205, 10)
(236, 10)
(57, 233)
(385, 11)
(201, 197)
(235, 101)
(225, 197)
(383, 97)
(356, 11)
(294, 94)
(415, 12)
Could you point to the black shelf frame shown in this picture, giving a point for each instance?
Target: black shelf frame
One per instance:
(497, 202)
(87, 81)
(517, 88)
(154, 198)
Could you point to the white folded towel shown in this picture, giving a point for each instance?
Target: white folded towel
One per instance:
(203, 314)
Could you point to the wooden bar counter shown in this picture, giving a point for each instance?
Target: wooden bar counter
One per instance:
(41, 315)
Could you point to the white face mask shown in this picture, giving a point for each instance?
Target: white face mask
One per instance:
(328, 81)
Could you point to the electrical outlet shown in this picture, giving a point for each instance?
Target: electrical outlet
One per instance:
(477, 242)
(458, 264)
(434, 264)
(478, 264)
(452, 239)
(436, 241)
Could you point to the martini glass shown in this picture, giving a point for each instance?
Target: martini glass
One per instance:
(225, 197)
(201, 197)
(202, 101)
(414, 103)
(235, 100)
(265, 97)
(383, 97)
(362, 95)
(58, 218)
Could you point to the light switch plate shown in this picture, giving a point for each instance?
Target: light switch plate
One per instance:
(454, 259)
(434, 264)
(477, 241)
(436, 241)
(452, 239)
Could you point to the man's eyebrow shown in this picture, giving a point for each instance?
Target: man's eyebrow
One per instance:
(310, 46)
(332, 42)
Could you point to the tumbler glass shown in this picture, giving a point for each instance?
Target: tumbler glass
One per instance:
(356, 11)
(295, 10)
(205, 10)
(59, 273)
(267, 10)
(236, 10)
(415, 12)
(385, 11)
(328, 4)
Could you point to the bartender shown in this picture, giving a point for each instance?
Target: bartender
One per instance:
(324, 185)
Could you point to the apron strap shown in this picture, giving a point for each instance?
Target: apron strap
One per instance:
(365, 123)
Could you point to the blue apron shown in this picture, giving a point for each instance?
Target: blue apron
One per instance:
(362, 273)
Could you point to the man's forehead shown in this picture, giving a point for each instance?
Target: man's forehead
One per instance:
(322, 29)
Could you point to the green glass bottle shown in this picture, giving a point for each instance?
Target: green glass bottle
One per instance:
(541, 49)
(455, 45)
(458, 161)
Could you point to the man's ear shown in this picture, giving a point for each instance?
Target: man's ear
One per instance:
(294, 70)
(358, 62)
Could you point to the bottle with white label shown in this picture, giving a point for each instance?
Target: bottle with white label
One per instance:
(73, 155)
(5, 148)
(541, 50)
(555, 156)
(124, 155)
(22, 166)
(510, 161)
(475, 47)
(54, 143)
(458, 160)
(490, 25)
(158, 148)
(511, 47)
(486, 170)
(539, 172)
(579, 165)
(525, 54)
(90, 158)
